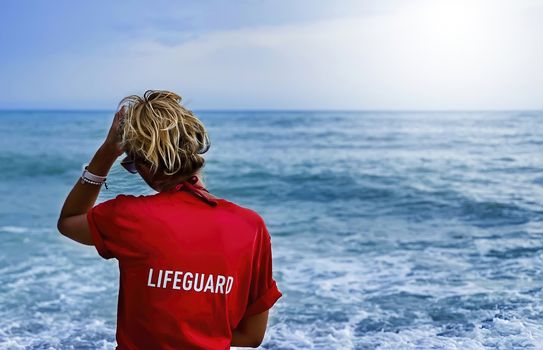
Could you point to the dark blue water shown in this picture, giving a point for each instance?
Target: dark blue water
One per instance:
(389, 230)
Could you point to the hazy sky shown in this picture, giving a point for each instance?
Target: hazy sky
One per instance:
(380, 54)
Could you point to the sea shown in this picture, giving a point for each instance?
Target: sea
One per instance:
(390, 230)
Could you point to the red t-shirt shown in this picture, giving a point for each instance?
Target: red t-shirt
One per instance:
(191, 267)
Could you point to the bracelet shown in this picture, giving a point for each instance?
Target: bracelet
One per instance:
(91, 178)
(84, 179)
(90, 175)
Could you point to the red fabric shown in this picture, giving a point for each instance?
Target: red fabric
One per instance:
(191, 267)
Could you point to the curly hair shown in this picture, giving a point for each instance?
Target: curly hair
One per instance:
(159, 131)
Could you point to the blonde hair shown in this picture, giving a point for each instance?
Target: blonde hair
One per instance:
(157, 129)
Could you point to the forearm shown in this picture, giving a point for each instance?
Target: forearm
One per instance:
(241, 339)
(83, 195)
(250, 331)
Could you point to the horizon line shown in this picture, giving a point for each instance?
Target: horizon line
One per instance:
(271, 110)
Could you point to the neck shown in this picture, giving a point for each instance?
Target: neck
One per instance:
(170, 182)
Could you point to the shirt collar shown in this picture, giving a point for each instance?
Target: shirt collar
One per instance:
(193, 186)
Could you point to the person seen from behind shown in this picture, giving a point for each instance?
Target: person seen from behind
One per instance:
(195, 269)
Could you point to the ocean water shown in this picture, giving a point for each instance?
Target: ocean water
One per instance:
(390, 230)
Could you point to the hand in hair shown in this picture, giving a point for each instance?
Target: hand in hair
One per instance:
(112, 140)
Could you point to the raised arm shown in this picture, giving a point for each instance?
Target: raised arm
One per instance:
(72, 221)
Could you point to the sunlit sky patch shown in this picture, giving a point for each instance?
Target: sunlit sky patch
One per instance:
(391, 54)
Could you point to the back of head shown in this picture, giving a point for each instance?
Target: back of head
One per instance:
(159, 131)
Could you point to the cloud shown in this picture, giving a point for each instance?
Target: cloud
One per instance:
(429, 55)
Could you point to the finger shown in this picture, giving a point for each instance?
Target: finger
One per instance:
(120, 111)
(119, 115)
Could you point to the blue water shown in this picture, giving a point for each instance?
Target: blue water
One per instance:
(389, 230)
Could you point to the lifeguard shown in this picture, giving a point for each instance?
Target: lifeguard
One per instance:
(198, 282)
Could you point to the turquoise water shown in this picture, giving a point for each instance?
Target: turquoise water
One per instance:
(390, 230)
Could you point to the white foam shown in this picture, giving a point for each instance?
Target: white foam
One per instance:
(13, 229)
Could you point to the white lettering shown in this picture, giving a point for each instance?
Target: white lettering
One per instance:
(196, 275)
(149, 284)
(190, 281)
(209, 284)
(220, 283)
(176, 280)
(187, 284)
(167, 279)
(229, 282)
(159, 278)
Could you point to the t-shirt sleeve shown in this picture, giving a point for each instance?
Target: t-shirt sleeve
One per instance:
(263, 292)
(108, 224)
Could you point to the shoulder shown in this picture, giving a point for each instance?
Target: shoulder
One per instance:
(119, 203)
(250, 216)
(120, 211)
(129, 198)
(121, 200)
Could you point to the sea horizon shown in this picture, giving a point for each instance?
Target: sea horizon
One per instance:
(274, 110)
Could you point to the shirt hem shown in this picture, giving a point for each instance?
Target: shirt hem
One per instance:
(264, 302)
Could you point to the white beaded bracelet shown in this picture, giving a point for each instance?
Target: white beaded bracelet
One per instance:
(91, 178)
(84, 179)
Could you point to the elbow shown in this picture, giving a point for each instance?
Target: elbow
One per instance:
(246, 340)
(60, 226)
(256, 342)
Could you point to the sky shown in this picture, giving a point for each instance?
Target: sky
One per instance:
(295, 54)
